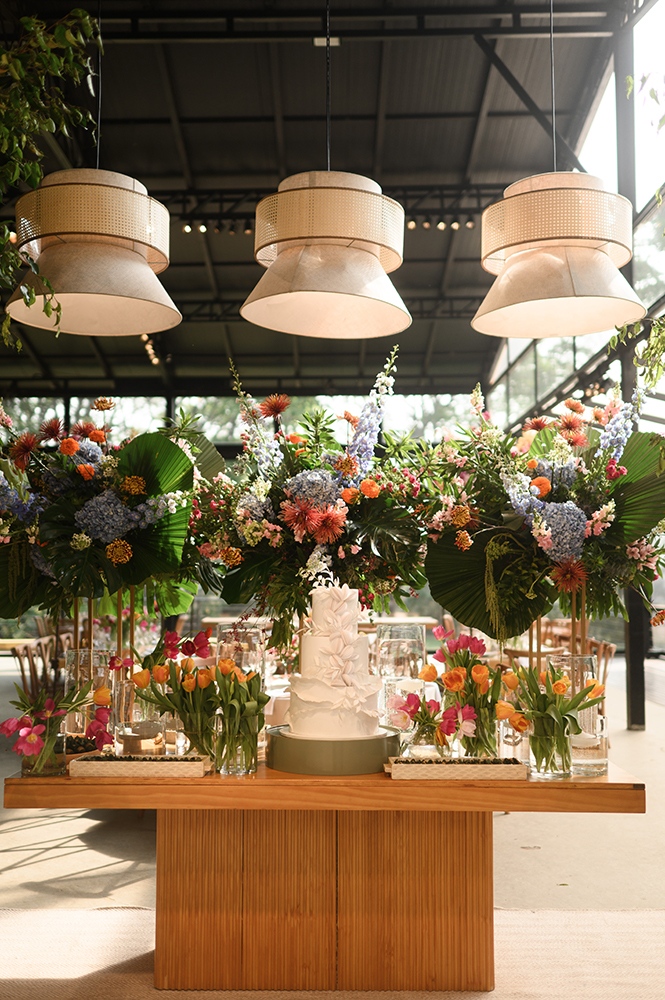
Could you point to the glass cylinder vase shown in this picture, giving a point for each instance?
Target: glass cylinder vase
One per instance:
(549, 749)
(51, 760)
(589, 747)
(82, 666)
(237, 744)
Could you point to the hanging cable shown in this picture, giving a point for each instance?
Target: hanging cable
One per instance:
(328, 83)
(99, 82)
(553, 88)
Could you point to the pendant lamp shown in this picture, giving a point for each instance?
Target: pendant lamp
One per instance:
(100, 240)
(328, 240)
(556, 242)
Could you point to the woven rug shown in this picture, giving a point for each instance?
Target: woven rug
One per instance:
(107, 954)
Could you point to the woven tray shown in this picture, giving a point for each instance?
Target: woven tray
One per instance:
(462, 769)
(107, 766)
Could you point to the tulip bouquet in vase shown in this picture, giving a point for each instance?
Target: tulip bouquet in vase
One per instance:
(39, 729)
(470, 690)
(240, 718)
(186, 691)
(421, 718)
(551, 717)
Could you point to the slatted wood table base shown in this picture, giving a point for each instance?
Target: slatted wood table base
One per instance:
(324, 900)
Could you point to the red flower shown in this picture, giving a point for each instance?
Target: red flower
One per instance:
(51, 430)
(302, 516)
(569, 576)
(570, 422)
(536, 424)
(275, 404)
(331, 525)
(349, 417)
(22, 449)
(346, 464)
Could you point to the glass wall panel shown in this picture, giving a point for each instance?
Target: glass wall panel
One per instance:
(592, 343)
(497, 403)
(522, 385)
(555, 363)
(29, 414)
(649, 258)
(131, 415)
(648, 37)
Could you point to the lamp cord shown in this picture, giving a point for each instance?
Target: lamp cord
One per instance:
(553, 88)
(99, 83)
(328, 84)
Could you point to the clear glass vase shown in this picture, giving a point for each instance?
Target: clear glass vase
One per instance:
(589, 747)
(423, 744)
(236, 746)
(51, 761)
(549, 749)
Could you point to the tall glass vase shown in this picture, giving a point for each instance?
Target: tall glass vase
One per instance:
(589, 747)
(549, 746)
(237, 744)
(81, 666)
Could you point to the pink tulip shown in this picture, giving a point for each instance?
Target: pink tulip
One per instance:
(50, 710)
(102, 715)
(96, 730)
(439, 656)
(400, 720)
(440, 633)
(412, 704)
(433, 706)
(10, 726)
(30, 741)
(448, 724)
(476, 646)
(396, 703)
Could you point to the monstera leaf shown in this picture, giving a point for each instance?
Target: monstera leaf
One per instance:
(457, 580)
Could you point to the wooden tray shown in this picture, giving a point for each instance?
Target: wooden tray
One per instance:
(462, 769)
(107, 766)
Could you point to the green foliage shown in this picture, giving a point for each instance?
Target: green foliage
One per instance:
(31, 103)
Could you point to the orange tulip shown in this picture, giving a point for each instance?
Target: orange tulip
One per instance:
(189, 682)
(102, 695)
(204, 678)
(480, 674)
(504, 709)
(160, 673)
(141, 678)
(510, 680)
(428, 673)
(484, 687)
(519, 722)
(238, 674)
(187, 664)
(559, 687)
(542, 677)
(453, 680)
(226, 666)
(597, 691)
(251, 674)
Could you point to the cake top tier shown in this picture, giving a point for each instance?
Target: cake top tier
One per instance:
(334, 609)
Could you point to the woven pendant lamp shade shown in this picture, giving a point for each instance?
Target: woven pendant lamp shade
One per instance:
(556, 242)
(328, 240)
(100, 240)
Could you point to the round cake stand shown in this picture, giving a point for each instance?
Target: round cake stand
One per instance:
(312, 756)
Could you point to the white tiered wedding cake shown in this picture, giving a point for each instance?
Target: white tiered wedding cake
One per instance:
(334, 697)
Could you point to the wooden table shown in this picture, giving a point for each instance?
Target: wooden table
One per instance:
(291, 882)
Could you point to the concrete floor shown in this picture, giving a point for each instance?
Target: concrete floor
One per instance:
(89, 859)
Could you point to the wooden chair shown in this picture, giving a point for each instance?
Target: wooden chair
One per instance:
(514, 655)
(24, 654)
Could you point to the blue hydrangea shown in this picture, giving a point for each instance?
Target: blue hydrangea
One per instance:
(58, 485)
(256, 508)
(524, 498)
(89, 453)
(568, 525)
(316, 485)
(106, 517)
(26, 510)
(39, 562)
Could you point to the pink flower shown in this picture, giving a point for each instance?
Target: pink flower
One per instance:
(439, 656)
(10, 726)
(341, 554)
(460, 719)
(50, 710)
(117, 663)
(96, 730)
(30, 742)
(448, 724)
(103, 715)
(396, 703)
(198, 646)
(171, 643)
(440, 633)
(467, 718)
(355, 549)
(433, 706)
(400, 720)
(412, 704)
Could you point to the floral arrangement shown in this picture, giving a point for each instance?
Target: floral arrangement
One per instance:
(79, 517)
(38, 725)
(470, 692)
(303, 509)
(544, 709)
(522, 522)
(414, 711)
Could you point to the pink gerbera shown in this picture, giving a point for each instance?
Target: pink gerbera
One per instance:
(302, 516)
(570, 422)
(536, 424)
(331, 525)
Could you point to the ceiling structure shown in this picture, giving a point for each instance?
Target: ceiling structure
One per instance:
(211, 105)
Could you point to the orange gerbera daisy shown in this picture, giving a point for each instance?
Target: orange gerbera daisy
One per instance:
(570, 422)
(574, 405)
(569, 576)
(275, 404)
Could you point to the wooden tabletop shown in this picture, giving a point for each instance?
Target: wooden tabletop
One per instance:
(268, 789)
(9, 644)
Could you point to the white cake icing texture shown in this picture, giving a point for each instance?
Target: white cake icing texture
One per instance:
(334, 697)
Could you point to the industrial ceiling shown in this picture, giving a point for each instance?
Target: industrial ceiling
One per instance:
(211, 105)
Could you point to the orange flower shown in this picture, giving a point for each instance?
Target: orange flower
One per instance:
(296, 439)
(369, 488)
(569, 576)
(346, 464)
(133, 484)
(480, 673)
(251, 674)
(275, 404)
(349, 494)
(118, 551)
(510, 680)
(428, 673)
(453, 680)
(103, 403)
(504, 709)
(238, 674)
(160, 673)
(226, 666)
(187, 664)
(102, 695)
(141, 678)
(189, 682)
(562, 685)
(532, 463)
(69, 446)
(98, 436)
(542, 678)
(597, 691)
(658, 618)
(87, 471)
(543, 484)
(574, 405)
(463, 540)
(22, 449)
(204, 678)
(519, 722)
(460, 515)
